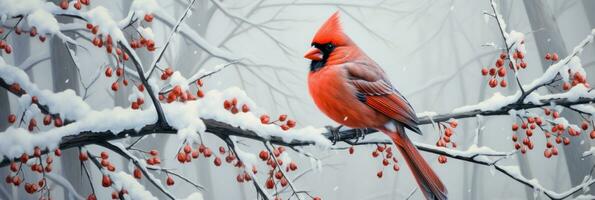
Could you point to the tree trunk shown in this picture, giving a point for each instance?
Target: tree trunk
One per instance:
(5, 189)
(549, 39)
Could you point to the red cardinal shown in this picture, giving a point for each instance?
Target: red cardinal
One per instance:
(353, 90)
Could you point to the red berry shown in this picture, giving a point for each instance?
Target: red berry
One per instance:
(499, 62)
(200, 93)
(208, 152)
(187, 148)
(379, 174)
(547, 153)
(37, 152)
(64, 4)
(47, 119)
(548, 56)
(585, 125)
(226, 105)
(264, 155)
(264, 119)
(58, 152)
(8, 49)
(284, 127)
(282, 117)
(170, 181)
(106, 181)
(12, 118)
(293, 166)
(270, 184)
(555, 151)
(555, 57)
(115, 86)
(149, 17)
(502, 72)
(13, 167)
(16, 180)
(217, 161)
(291, 123)
(181, 157)
(442, 159)
(351, 150)
(137, 173)
(484, 71)
(58, 121)
(245, 108)
(515, 127)
(104, 155)
(240, 178)
(493, 83)
(77, 5)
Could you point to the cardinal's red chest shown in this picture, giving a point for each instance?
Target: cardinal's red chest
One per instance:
(336, 97)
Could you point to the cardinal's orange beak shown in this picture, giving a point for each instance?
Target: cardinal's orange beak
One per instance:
(313, 54)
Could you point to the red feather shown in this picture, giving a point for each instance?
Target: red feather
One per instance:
(331, 32)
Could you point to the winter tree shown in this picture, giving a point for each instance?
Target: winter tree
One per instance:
(207, 99)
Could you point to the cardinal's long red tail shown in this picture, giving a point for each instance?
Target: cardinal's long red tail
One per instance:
(428, 181)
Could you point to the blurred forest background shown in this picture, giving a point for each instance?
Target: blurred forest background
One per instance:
(432, 50)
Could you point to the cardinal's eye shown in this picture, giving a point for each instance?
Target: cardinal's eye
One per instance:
(329, 46)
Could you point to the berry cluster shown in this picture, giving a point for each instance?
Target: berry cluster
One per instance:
(281, 121)
(77, 4)
(386, 153)
(560, 131)
(37, 165)
(32, 124)
(447, 131)
(232, 106)
(499, 71)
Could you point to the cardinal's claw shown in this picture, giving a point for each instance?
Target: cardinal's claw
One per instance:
(335, 132)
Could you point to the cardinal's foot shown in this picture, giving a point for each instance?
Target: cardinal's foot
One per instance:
(334, 132)
(360, 133)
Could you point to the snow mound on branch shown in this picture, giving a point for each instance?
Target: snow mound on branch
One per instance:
(570, 62)
(101, 17)
(122, 180)
(69, 106)
(142, 7)
(212, 108)
(495, 102)
(184, 117)
(38, 14)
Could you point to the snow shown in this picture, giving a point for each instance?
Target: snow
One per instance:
(147, 32)
(194, 196)
(38, 14)
(185, 117)
(141, 7)
(571, 62)
(589, 152)
(426, 114)
(122, 180)
(100, 16)
(495, 102)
